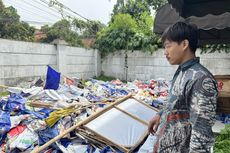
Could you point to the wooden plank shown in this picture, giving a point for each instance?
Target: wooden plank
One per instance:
(132, 116)
(138, 142)
(108, 140)
(155, 109)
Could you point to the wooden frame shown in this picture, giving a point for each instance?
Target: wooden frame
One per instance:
(82, 124)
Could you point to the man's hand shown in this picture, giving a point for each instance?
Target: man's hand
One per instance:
(153, 124)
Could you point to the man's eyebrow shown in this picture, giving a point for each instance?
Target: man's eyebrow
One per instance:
(165, 43)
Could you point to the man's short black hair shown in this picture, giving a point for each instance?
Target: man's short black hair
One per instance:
(181, 31)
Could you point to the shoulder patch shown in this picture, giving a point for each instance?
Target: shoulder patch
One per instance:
(208, 86)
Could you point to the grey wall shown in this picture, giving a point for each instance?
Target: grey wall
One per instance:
(23, 61)
(147, 66)
(78, 62)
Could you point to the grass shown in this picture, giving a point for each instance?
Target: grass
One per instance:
(4, 93)
(105, 78)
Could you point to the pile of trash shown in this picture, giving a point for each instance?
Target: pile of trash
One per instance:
(30, 117)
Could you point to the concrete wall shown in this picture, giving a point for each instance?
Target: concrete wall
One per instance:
(23, 61)
(147, 66)
(78, 62)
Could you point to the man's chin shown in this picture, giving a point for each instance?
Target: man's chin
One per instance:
(172, 63)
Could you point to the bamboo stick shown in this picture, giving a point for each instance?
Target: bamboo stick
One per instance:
(138, 142)
(155, 109)
(39, 104)
(97, 138)
(132, 116)
(3, 86)
(109, 141)
(39, 149)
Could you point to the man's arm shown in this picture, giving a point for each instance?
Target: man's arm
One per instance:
(203, 110)
(155, 121)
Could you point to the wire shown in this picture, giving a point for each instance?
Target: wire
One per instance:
(6, 20)
(75, 12)
(67, 8)
(40, 9)
(56, 8)
(62, 11)
(47, 6)
(37, 22)
(28, 11)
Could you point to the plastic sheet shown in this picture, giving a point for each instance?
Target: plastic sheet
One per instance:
(118, 127)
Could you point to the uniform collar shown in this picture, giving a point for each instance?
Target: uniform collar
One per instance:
(189, 63)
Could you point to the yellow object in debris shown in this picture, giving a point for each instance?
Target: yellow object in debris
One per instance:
(55, 116)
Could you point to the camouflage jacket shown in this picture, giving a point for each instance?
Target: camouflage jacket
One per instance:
(187, 120)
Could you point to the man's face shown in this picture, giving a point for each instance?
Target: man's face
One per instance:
(174, 52)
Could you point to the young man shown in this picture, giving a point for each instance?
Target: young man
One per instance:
(185, 124)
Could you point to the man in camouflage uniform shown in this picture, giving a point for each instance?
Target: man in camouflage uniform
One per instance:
(185, 124)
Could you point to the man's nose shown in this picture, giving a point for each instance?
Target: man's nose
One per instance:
(165, 52)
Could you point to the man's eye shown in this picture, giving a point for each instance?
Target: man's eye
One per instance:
(167, 46)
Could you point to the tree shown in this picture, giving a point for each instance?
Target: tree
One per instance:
(61, 30)
(11, 27)
(87, 28)
(72, 31)
(131, 29)
(156, 4)
(131, 7)
(118, 35)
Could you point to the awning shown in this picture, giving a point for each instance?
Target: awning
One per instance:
(212, 28)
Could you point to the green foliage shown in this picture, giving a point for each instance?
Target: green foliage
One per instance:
(11, 27)
(156, 4)
(105, 78)
(222, 142)
(71, 31)
(215, 48)
(61, 30)
(132, 7)
(118, 35)
(128, 31)
(4, 94)
(87, 29)
(145, 23)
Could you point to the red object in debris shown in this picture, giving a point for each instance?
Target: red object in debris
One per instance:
(117, 82)
(165, 93)
(68, 81)
(16, 131)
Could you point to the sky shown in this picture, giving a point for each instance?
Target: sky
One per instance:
(37, 12)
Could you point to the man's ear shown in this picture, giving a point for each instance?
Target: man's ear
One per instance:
(185, 44)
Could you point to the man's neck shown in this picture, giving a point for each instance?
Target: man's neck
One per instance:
(187, 57)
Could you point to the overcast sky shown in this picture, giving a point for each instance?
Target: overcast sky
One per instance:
(37, 11)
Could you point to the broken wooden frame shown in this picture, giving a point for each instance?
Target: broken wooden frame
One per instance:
(137, 114)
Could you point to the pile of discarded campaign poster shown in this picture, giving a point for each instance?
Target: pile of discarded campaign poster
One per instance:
(37, 118)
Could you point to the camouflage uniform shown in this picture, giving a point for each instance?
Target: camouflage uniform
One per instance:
(187, 120)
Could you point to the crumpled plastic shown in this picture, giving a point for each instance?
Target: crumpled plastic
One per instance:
(147, 147)
(109, 150)
(24, 140)
(47, 134)
(14, 103)
(4, 124)
(15, 120)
